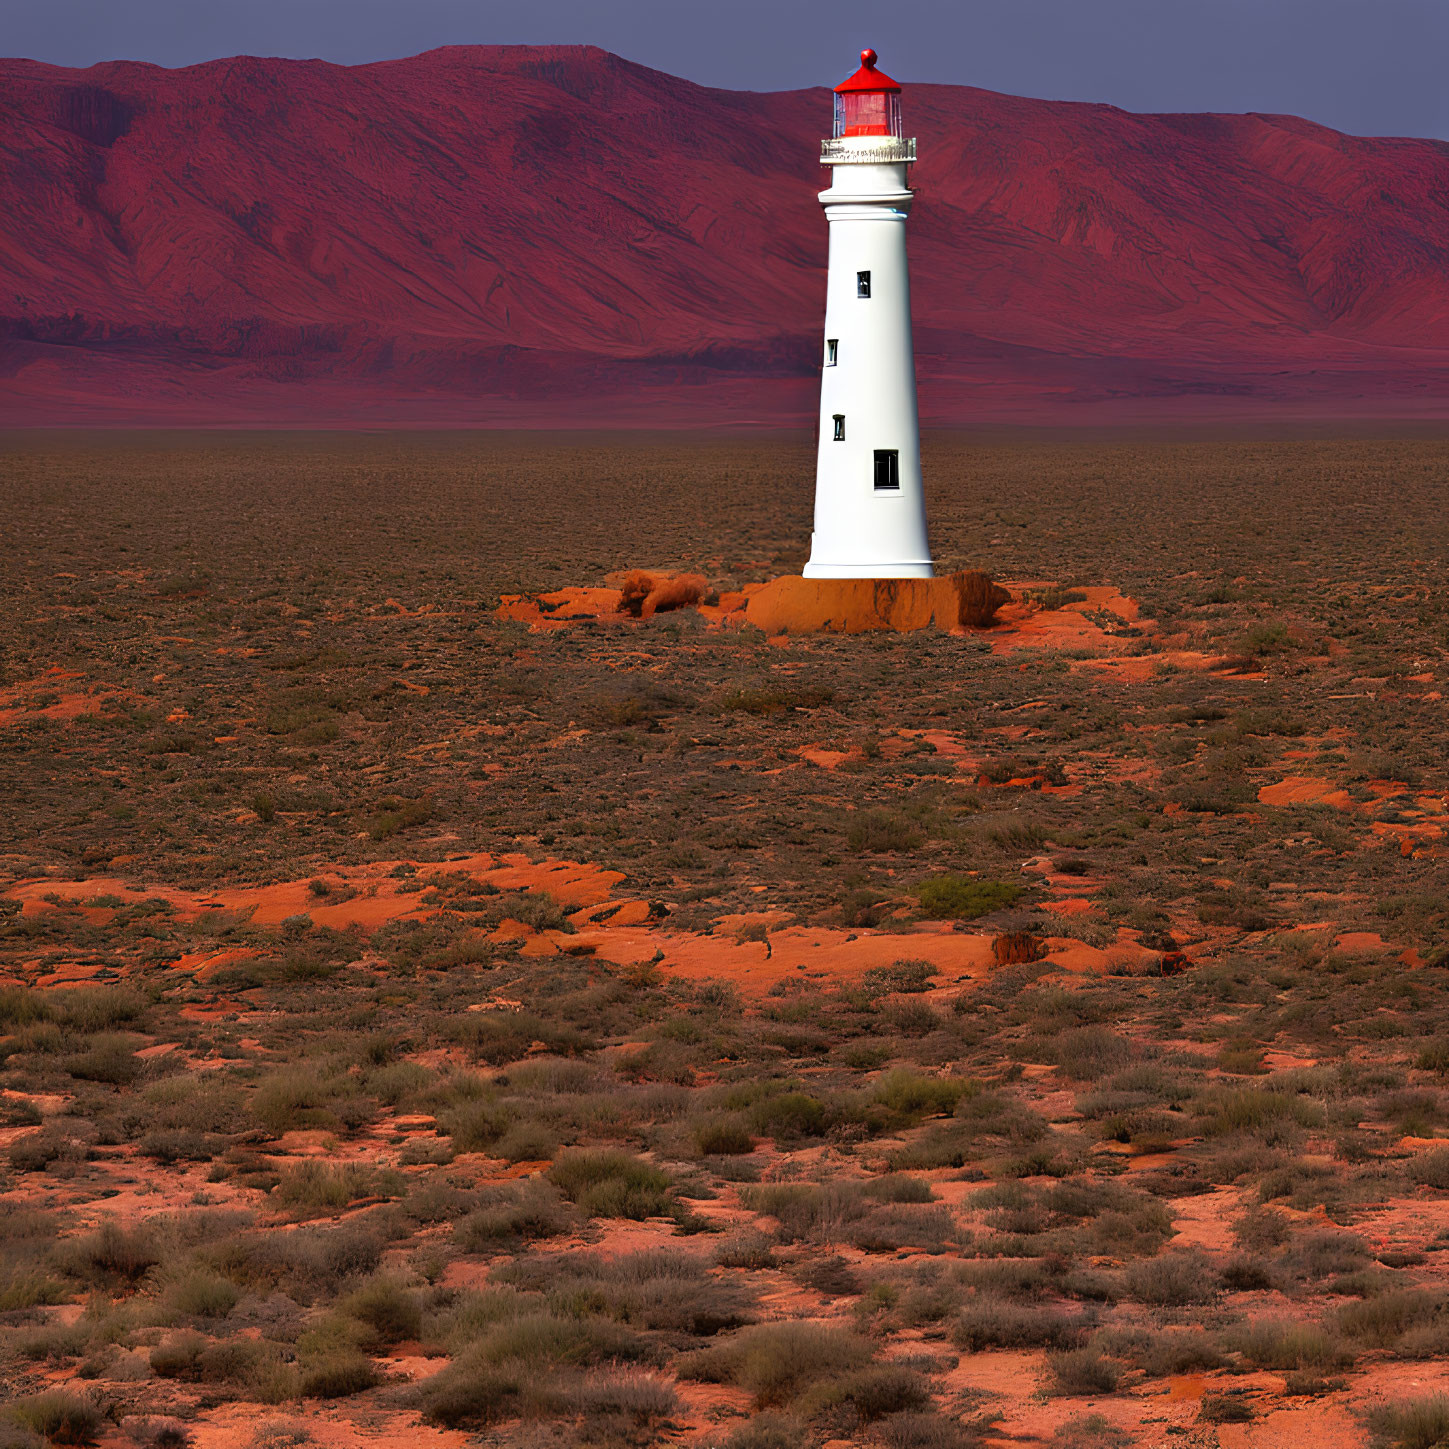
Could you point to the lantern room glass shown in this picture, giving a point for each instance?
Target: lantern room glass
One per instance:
(867, 113)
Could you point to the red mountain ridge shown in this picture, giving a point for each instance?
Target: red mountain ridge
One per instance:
(553, 236)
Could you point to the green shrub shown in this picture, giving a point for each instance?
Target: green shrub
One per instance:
(293, 1098)
(774, 700)
(313, 1187)
(389, 1310)
(510, 1213)
(1258, 1112)
(20, 1006)
(109, 1058)
(788, 1116)
(618, 1407)
(90, 1009)
(1272, 636)
(201, 1294)
(476, 1125)
(305, 1262)
(959, 898)
(526, 1142)
(723, 1137)
(335, 1374)
(27, 1287)
(1088, 1053)
(395, 815)
(537, 908)
(913, 1094)
(607, 1183)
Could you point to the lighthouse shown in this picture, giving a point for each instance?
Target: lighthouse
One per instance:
(870, 511)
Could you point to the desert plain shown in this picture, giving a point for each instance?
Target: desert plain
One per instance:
(435, 1012)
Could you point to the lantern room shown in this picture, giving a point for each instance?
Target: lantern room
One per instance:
(869, 103)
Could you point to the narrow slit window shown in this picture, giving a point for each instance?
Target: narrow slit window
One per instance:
(832, 346)
(839, 427)
(862, 284)
(887, 468)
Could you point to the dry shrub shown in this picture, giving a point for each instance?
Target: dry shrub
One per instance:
(746, 1250)
(60, 1417)
(777, 1362)
(616, 1406)
(1091, 1431)
(111, 1252)
(1081, 1372)
(1286, 1346)
(1174, 1279)
(879, 1215)
(1431, 1169)
(662, 1291)
(991, 1322)
(865, 1396)
(512, 1367)
(1420, 1424)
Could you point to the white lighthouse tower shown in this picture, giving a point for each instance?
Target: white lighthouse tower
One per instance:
(870, 512)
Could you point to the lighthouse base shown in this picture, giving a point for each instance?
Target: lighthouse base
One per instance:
(795, 605)
(909, 569)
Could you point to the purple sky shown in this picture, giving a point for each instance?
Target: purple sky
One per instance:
(1374, 67)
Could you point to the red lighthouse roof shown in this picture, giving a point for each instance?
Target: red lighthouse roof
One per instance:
(867, 78)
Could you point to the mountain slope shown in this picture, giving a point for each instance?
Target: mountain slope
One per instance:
(553, 234)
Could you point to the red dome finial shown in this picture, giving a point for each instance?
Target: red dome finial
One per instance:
(868, 58)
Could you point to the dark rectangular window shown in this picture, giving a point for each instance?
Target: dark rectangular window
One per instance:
(831, 347)
(839, 427)
(862, 284)
(887, 468)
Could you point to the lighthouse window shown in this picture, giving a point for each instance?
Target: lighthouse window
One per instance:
(839, 427)
(887, 468)
(862, 284)
(830, 349)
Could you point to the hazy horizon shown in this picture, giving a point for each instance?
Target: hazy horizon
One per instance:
(1360, 68)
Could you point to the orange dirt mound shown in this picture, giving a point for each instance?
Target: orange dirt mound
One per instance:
(1017, 948)
(642, 595)
(795, 605)
(637, 594)
(1305, 790)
